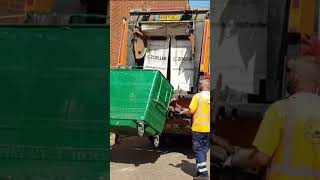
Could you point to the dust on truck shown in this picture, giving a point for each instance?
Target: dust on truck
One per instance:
(175, 42)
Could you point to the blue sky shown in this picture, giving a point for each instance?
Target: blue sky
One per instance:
(200, 3)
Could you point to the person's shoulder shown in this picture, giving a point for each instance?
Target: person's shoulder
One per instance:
(196, 95)
(205, 94)
(278, 107)
(279, 104)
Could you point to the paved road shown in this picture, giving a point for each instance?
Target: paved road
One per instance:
(136, 159)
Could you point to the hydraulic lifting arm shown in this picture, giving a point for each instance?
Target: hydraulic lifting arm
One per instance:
(205, 52)
(122, 57)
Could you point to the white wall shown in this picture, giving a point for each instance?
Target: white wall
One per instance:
(239, 52)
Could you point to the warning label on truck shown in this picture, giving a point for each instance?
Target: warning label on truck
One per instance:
(182, 65)
(157, 56)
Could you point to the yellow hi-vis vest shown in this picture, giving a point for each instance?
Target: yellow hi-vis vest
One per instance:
(200, 107)
(290, 134)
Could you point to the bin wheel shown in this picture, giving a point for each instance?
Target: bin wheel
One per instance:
(156, 141)
(117, 139)
(150, 139)
(140, 129)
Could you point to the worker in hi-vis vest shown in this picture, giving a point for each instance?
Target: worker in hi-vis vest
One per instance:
(288, 140)
(200, 109)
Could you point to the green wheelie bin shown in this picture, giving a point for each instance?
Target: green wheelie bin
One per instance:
(139, 102)
(53, 104)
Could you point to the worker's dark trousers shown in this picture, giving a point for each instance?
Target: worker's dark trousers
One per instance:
(201, 143)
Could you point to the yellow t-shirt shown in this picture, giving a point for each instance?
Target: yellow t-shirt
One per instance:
(194, 105)
(305, 141)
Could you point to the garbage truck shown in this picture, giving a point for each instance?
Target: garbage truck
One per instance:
(175, 42)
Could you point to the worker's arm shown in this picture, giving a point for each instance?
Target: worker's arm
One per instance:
(266, 142)
(186, 111)
(249, 158)
(192, 107)
(222, 143)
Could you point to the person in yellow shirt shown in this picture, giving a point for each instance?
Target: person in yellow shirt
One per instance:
(288, 139)
(200, 109)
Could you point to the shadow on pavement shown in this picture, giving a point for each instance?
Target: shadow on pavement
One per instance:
(186, 167)
(137, 151)
(178, 143)
(134, 150)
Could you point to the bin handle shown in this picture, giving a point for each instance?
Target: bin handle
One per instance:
(66, 28)
(86, 16)
(159, 103)
(165, 99)
(89, 15)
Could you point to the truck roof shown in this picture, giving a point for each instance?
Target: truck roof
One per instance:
(149, 15)
(165, 10)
